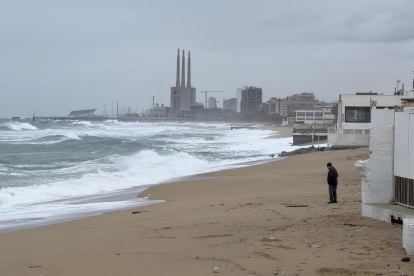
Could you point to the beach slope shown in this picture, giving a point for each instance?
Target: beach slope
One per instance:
(237, 220)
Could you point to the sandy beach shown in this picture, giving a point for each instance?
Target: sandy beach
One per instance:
(238, 220)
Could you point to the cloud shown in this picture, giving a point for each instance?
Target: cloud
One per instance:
(104, 51)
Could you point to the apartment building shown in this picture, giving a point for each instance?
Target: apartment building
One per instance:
(251, 99)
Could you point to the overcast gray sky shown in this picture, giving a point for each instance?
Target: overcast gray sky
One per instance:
(57, 56)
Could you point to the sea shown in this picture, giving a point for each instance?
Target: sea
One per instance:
(57, 171)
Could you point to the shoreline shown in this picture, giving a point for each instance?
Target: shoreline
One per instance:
(236, 220)
(116, 200)
(125, 199)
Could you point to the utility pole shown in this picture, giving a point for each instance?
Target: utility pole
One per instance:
(323, 119)
(313, 126)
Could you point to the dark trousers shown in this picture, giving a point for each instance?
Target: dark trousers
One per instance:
(332, 192)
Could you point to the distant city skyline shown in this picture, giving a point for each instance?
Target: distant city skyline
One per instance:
(70, 55)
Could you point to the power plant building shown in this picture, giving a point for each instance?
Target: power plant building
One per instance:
(183, 96)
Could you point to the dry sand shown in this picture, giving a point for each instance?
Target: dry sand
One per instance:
(236, 220)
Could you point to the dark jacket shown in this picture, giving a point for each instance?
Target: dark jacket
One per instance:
(332, 176)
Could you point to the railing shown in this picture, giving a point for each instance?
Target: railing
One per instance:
(309, 130)
(404, 191)
(351, 131)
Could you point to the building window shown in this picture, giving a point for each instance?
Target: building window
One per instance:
(357, 114)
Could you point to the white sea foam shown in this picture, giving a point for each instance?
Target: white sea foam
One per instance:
(172, 151)
(145, 167)
(50, 139)
(85, 123)
(18, 126)
(72, 135)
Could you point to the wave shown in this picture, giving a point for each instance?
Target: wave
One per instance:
(143, 168)
(85, 123)
(71, 135)
(47, 140)
(17, 126)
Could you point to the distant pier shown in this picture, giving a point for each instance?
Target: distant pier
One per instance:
(242, 127)
(104, 118)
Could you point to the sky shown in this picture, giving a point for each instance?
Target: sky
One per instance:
(58, 55)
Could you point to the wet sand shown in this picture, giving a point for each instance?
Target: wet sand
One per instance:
(237, 220)
(282, 132)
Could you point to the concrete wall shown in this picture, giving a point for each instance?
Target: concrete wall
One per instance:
(341, 139)
(391, 146)
(408, 236)
(377, 171)
(404, 144)
(305, 139)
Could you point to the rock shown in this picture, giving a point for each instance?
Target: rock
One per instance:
(328, 149)
(406, 259)
(216, 270)
(138, 212)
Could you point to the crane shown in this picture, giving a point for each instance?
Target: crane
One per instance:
(206, 95)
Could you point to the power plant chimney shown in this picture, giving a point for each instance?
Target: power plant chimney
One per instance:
(177, 83)
(189, 71)
(183, 72)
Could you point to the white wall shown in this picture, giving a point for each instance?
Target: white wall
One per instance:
(408, 236)
(411, 147)
(401, 154)
(377, 186)
(341, 139)
(404, 144)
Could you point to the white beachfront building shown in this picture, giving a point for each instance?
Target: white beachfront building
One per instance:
(320, 115)
(388, 175)
(354, 116)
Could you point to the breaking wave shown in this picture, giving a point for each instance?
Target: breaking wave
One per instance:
(17, 126)
(143, 168)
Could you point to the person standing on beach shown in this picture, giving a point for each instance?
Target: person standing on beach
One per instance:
(332, 182)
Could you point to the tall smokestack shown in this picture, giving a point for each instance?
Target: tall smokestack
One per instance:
(177, 82)
(183, 72)
(189, 71)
